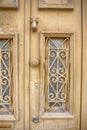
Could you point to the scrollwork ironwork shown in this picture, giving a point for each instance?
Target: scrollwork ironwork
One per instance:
(58, 56)
(5, 76)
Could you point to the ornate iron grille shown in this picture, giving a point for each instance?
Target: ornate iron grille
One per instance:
(58, 68)
(5, 76)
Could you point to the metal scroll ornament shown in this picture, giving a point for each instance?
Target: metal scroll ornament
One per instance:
(5, 76)
(58, 77)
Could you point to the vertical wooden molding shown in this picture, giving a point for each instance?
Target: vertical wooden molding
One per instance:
(84, 69)
(26, 60)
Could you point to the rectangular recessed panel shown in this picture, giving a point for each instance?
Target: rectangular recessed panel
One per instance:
(58, 75)
(57, 1)
(57, 81)
(56, 4)
(5, 127)
(6, 76)
(9, 3)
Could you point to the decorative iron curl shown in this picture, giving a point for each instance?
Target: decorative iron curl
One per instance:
(53, 53)
(6, 99)
(62, 79)
(62, 53)
(53, 71)
(62, 97)
(52, 96)
(5, 55)
(5, 73)
(5, 81)
(62, 71)
(53, 79)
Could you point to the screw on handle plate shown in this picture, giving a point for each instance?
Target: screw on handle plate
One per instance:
(35, 119)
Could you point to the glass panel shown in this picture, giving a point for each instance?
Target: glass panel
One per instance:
(58, 75)
(5, 76)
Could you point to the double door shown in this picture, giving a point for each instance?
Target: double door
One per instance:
(44, 65)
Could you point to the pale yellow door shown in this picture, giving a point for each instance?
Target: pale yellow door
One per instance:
(55, 65)
(43, 65)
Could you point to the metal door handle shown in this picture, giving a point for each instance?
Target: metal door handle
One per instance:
(35, 119)
(34, 23)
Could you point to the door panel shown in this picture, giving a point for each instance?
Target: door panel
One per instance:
(56, 75)
(12, 117)
(45, 112)
(68, 4)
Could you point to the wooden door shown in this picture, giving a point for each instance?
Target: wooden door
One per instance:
(13, 86)
(43, 65)
(55, 65)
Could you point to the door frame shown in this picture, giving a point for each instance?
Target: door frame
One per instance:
(84, 67)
